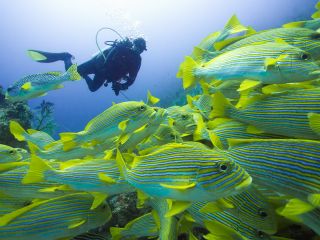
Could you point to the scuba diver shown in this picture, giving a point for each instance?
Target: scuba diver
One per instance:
(111, 65)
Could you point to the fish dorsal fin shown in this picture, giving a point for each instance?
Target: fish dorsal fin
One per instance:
(50, 145)
(215, 34)
(295, 24)
(235, 142)
(250, 31)
(180, 71)
(220, 45)
(54, 73)
(234, 25)
(32, 131)
(33, 148)
(316, 15)
(215, 140)
(113, 104)
(26, 86)
(178, 207)
(151, 100)
(181, 187)
(199, 54)
(249, 85)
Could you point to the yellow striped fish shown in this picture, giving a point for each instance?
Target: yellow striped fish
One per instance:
(38, 138)
(306, 39)
(55, 150)
(10, 185)
(168, 225)
(119, 119)
(93, 176)
(287, 166)
(267, 63)
(9, 154)
(10, 204)
(183, 120)
(165, 134)
(291, 114)
(144, 226)
(203, 103)
(201, 174)
(56, 218)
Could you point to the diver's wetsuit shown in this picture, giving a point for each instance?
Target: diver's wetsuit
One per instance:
(119, 62)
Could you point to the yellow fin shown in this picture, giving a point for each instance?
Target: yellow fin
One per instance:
(180, 71)
(249, 85)
(295, 24)
(314, 122)
(215, 140)
(234, 25)
(34, 174)
(33, 148)
(141, 195)
(98, 199)
(26, 86)
(50, 145)
(220, 45)
(77, 224)
(123, 138)
(280, 40)
(235, 142)
(63, 187)
(156, 217)
(35, 55)
(251, 100)
(58, 87)
(151, 100)
(189, 100)
(314, 199)
(116, 233)
(106, 179)
(217, 122)
(197, 133)
(316, 14)
(192, 237)
(222, 202)
(295, 207)
(220, 103)
(171, 122)
(67, 140)
(271, 62)
(74, 75)
(178, 207)
(7, 166)
(250, 31)
(254, 130)
(188, 69)
(205, 88)
(212, 208)
(121, 163)
(146, 140)
(317, 6)
(7, 218)
(178, 187)
(123, 124)
(17, 131)
(220, 231)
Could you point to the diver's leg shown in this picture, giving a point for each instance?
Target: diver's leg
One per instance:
(94, 84)
(46, 57)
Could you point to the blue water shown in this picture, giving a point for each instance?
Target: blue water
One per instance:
(172, 29)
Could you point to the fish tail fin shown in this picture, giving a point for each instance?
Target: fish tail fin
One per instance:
(36, 169)
(197, 133)
(220, 103)
(233, 26)
(33, 148)
(116, 233)
(205, 88)
(121, 164)
(74, 75)
(17, 131)
(316, 14)
(151, 100)
(68, 140)
(188, 72)
(180, 71)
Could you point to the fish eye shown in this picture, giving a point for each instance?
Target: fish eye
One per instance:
(263, 213)
(155, 109)
(184, 117)
(27, 203)
(261, 235)
(224, 167)
(11, 151)
(173, 136)
(304, 56)
(316, 35)
(104, 207)
(142, 108)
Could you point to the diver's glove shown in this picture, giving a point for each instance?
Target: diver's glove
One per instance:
(116, 87)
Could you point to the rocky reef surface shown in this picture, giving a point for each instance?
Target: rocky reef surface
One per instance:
(18, 112)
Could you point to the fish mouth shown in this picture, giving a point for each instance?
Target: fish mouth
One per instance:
(244, 185)
(311, 73)
(152, 115)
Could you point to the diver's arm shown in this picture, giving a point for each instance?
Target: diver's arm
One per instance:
(133, 72)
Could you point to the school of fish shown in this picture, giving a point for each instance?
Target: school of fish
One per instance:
(241, 160)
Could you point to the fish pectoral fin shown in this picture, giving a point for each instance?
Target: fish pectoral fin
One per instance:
(108, 181)
(249, 85)
(58, 87)
(66, 238)
(254, 130)
(212, 208)
(182, 187)
(123, 124)
(77, 224)
(123, 138)
(98, 199)
(178, 207)
(26, 86)
(221, 231)
(314, 199)
(222, 202)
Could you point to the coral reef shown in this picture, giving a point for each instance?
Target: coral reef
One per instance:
(41, 118)
(18, 112)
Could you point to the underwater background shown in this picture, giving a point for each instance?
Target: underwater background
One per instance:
(171, 28)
